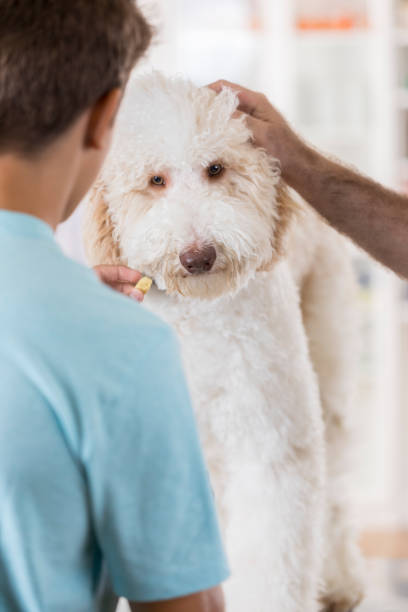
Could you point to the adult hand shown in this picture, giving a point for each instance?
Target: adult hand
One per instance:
(369, 213)
(122, 279)
(271, 131)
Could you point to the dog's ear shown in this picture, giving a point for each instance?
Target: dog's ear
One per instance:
(287, 210)
(98, 230)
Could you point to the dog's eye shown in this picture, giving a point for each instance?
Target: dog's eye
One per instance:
(158, 181)
(215, 170)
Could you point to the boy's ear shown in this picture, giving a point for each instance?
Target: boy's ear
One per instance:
(100, 246)
(101, 119)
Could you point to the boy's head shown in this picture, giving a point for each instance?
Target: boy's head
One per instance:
(60, 59)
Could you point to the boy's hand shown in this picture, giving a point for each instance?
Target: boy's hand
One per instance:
(271, 131)
(121, 279)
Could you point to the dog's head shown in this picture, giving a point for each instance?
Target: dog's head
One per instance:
(184, 196)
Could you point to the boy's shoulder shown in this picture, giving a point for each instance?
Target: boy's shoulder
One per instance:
(96, 311)
(57, 302)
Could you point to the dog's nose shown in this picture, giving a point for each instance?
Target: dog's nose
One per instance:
(197, 261)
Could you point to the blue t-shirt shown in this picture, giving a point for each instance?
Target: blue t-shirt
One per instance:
(103, 488)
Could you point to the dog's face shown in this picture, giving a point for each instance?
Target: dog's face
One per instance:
(184, 196)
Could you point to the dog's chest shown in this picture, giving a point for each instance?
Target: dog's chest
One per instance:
(228, 349)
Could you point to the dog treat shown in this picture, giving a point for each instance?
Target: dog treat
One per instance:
(144, 284)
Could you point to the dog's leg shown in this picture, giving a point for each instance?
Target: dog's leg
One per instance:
(328, 304)
(274, 494)
(274, 538)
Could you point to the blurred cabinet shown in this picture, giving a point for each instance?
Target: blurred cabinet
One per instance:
(335, 16)
(350, 103)
(351, 100)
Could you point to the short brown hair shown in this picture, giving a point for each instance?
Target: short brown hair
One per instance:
(57, 58)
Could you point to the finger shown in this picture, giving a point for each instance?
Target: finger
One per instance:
(125, 288)
(219, 85)
(136, 295)
(128, 290)
(249, 101)
(258, 128)
(118, 274)
(259, 131)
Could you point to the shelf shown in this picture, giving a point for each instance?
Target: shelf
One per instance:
(401, 36)
(357, 36)
(203, 38)
(233, 32)
(401, 97)
(402, 174)
(337, 136)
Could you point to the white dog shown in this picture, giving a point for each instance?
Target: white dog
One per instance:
(259, 290)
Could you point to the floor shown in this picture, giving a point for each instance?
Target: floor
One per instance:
(387, 587)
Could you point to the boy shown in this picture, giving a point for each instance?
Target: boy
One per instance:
(103, 490)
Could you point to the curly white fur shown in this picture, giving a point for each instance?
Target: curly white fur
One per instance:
(266, 334)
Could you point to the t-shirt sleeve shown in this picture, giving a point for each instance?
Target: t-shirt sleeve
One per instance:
(152, 502)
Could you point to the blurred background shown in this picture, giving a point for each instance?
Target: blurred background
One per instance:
(338, 70)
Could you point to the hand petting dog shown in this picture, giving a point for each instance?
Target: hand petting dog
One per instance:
(270, 129)
(374, 217)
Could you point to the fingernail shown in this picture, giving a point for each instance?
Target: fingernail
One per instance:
(137, 295)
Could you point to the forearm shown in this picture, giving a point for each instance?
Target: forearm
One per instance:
(211, 600)
(374, 217)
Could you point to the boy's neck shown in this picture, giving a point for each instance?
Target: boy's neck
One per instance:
(42, 185)
(31, 188)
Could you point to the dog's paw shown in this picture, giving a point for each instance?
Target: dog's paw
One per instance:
(329, 604)
(338, 607)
